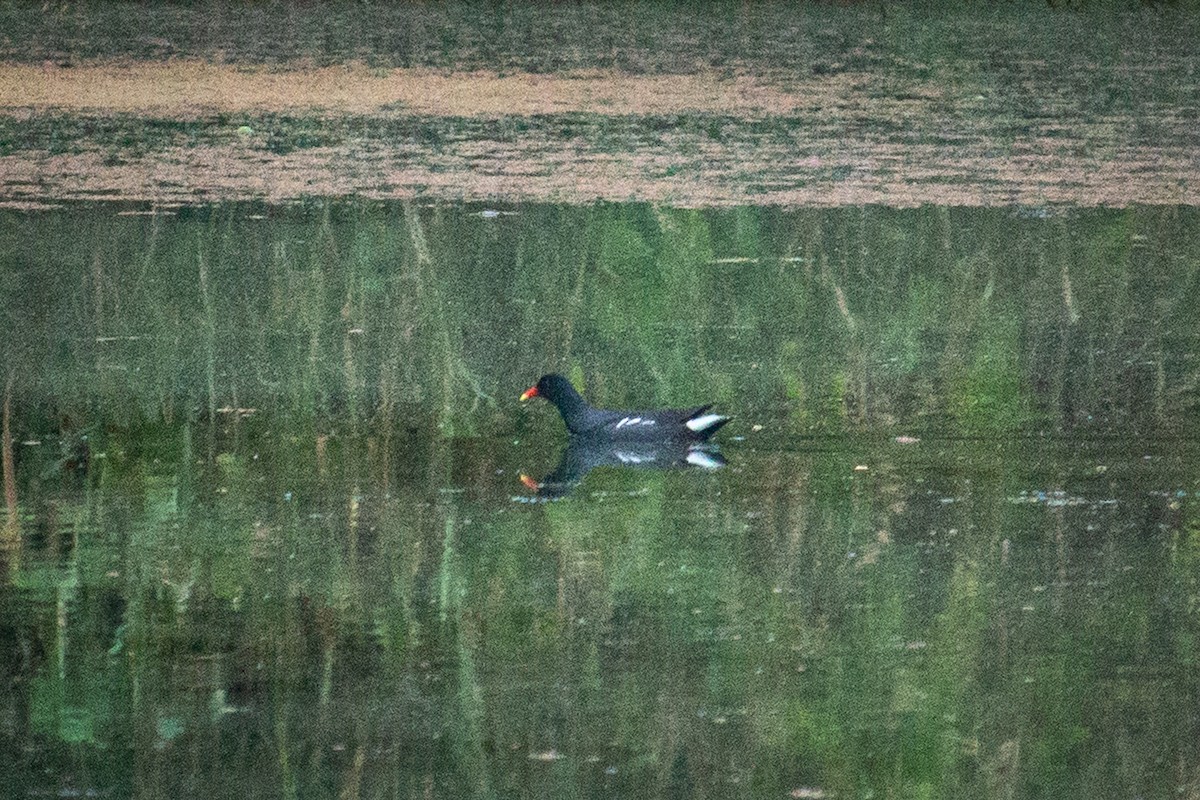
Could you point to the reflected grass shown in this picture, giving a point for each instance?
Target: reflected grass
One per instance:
(930, 321)
(786, 622)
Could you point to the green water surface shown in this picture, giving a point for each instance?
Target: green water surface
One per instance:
(267, 534)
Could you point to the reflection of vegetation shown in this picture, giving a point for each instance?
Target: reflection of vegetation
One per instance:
(958, 321)
(850, 641)
(287, 568)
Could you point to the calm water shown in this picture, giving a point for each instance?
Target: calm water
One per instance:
(268, 534)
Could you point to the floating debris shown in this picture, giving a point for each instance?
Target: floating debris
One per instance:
(1055, 498)
(807, 793)
(241, 412)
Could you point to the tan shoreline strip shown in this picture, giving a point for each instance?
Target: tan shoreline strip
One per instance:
(182, 87)
(846, 140)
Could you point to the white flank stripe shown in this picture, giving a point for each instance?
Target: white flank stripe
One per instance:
(704, 423)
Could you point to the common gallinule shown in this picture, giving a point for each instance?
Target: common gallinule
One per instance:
(664, 424)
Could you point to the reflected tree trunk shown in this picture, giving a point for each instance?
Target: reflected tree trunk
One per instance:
(12, 520)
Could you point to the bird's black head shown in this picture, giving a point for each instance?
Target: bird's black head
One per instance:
(553, 387)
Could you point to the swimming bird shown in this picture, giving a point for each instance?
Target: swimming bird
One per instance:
(664, 424)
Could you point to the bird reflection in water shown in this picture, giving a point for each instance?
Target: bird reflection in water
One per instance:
(582, 456)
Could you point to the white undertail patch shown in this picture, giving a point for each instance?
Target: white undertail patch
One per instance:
(703, 423)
